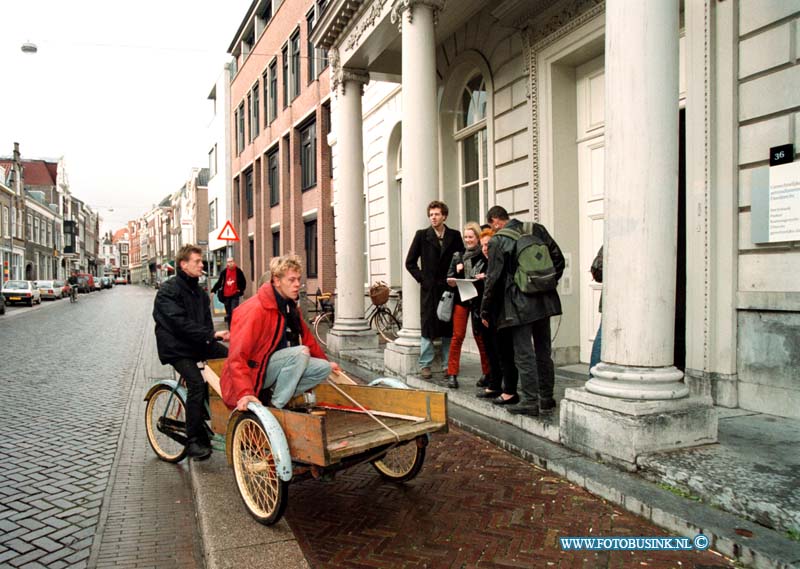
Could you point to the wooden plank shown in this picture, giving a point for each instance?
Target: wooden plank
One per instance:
(350, 446)
(211, 373)
(428, 405)
(219, 413)
(343, 424)
(305, 434)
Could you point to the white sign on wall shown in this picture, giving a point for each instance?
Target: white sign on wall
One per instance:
(784, 202)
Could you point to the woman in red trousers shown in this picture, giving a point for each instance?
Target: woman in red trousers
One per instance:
(469, 265)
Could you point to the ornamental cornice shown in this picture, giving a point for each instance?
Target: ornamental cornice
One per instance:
(366, 21)
(406, 7)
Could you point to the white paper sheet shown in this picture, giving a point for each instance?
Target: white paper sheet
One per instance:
(466, 290)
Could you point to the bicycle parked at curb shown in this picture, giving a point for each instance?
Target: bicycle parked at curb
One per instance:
(386, 322)
(323, 308)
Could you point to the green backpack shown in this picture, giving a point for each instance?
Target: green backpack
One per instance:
(535, 272)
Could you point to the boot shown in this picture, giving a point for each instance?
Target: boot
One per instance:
(452, 381)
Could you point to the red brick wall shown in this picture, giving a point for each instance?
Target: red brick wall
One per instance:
(293, 201)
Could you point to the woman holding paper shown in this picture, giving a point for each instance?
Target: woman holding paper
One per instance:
(471, 266)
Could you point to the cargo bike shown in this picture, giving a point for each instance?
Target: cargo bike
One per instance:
(339, 424)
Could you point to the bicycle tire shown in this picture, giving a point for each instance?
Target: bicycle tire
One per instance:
(322, 325)
(386, 324)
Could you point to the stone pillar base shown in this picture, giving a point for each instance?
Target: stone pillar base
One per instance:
(621, 430)
(401, 360)
(342, 340)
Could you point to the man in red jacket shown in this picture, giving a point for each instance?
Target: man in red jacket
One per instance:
(273, 355)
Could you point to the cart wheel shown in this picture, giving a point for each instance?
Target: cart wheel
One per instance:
(167, 405)
(402, 463)
(264, 494)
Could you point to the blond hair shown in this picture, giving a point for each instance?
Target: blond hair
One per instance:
(474, 227)
(278, 266)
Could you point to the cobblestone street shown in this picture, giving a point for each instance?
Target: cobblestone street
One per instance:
(70, 375)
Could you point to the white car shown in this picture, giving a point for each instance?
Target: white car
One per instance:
(49, 289)
(22, 292)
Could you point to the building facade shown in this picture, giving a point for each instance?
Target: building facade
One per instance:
(280, 159)
(531, 105)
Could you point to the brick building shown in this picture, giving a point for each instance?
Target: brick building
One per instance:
(280, 159)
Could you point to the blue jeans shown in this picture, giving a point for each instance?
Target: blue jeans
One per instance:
(291, 371)
(594, 359)
(426, 352)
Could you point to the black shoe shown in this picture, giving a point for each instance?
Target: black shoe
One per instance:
(525, 409)
(198, 451)
(483, 394)
(452, 381)
(500, 401)
(483, 382)
(546, 405)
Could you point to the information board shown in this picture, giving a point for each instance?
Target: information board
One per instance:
(784, 202)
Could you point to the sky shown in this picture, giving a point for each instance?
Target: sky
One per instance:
(119, 89)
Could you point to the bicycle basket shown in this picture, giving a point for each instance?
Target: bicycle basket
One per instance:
(379, 293)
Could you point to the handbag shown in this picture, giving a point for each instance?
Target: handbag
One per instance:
(444, 311)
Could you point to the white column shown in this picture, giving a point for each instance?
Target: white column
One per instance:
(636, 403)
(420, 145)
(641, 160)
(350, 329)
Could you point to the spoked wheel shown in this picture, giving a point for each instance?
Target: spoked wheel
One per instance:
(402, 463)
(386, 325)
(264, 494)
(323, 325)
(165, 420)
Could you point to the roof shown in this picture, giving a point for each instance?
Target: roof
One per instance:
(120, 235)
(245, 20)
(36, 172)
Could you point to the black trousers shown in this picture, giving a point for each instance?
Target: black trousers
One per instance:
(494, 352)
(197, 394)
(230, 303)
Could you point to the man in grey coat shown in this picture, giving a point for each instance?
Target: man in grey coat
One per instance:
(525, 316)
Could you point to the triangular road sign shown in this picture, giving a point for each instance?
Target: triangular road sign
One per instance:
(228, 233)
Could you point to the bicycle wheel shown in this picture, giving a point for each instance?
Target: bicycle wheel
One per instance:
(386, 324)
(165, 411)
(401, 463)
(322, 325)
(264, 494)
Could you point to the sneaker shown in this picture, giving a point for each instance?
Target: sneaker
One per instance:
(425, 373)
(525, 409)
(197, 451)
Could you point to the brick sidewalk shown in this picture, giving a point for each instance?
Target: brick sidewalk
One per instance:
(150, 520)
(473, 505)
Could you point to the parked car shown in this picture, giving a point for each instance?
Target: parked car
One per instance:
(49, 290)
(85, 282)
(120, 281)
(98, 283)
(22, 292)
(108, 282)
(63, 287)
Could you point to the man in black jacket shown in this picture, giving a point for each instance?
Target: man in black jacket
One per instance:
(523, 315)
(185, 336)
(433, 249)
(230, 288)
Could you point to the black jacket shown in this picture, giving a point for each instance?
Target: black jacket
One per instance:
(428, 263)
(184, 328)
(219, 287)
(503, 303)
(474, 263)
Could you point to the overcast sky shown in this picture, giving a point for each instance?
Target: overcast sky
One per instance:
(118, 88)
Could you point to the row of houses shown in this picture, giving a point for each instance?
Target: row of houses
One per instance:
(45, 230)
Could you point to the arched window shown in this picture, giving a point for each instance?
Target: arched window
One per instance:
(472, 140)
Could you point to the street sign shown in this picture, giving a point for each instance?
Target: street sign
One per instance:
(228, 233)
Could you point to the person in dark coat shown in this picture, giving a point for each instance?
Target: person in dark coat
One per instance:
(185, 336)
(230, 288)
(525, 315)
(428, 260)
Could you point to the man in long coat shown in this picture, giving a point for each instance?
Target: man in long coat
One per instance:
(428, 260)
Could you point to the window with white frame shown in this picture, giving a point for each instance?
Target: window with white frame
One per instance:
(295, 63)
(254, 118)
(212, 215)
(6, 232)
(472, 138)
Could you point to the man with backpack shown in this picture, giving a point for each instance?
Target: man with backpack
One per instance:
(525, 265)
